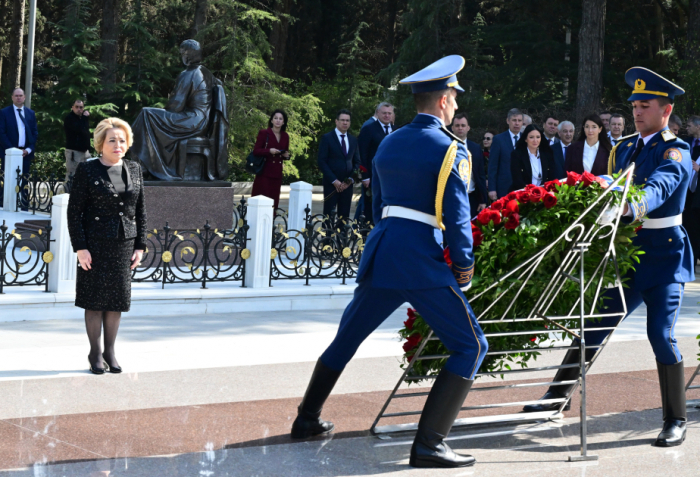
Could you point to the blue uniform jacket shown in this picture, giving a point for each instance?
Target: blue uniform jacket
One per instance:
(402, 253)
(663, 169)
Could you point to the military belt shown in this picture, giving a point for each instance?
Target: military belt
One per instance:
(410, 214)
(664, 223)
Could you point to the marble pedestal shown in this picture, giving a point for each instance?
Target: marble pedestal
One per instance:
(188, 208)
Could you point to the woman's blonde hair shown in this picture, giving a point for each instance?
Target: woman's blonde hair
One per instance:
(111, 123)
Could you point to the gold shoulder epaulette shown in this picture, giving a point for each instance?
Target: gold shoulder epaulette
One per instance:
(445, 172)
(668, 136)
(452, 135)
(611, 159)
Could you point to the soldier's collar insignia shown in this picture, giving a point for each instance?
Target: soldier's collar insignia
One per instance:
(629, 144)
(673, 154)
(667, 135)
(653, 145)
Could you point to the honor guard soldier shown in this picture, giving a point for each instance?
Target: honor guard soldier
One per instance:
(420, 183)
(663, 169)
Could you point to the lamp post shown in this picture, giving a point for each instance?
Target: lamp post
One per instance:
(30, 54)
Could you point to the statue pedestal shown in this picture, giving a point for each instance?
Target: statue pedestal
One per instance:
(188, 205)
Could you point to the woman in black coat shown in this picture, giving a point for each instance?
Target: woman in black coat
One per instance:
(532, 160)
(592, 150)
(107, 225)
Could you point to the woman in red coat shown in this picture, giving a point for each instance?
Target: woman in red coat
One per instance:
(273, 143)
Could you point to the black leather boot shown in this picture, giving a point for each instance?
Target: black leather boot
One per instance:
(566, 374)
(672, 383)
(308, 422)
(440, 411)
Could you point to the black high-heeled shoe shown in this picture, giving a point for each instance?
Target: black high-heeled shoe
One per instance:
(111, 369)
(95, 370)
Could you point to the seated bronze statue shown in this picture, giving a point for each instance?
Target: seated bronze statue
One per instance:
(188, 139)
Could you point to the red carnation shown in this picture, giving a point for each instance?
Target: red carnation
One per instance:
(498, 205)
(587, 178)
(511, 196)
(572, 178)
(478, 236)
(536, 194)
(446, 254)
(551, 186)
(412, 342)
(484, 217)
(550, 200)
(363, 169)
(411, 319)
(523, 196)
(513, 222)
(495, 216)
(511, 208)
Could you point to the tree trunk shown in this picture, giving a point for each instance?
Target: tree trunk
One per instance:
(392, 7)
(16, 43)
(278, 36)
(590, 65)
(200, 17)
(692, 50)
(110, 44)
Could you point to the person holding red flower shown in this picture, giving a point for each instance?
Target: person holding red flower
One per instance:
(420, 183)
(663, 167)
(532, 160)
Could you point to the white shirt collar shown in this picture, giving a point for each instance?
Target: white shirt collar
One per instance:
(433, 116)
(338, 133)
(21, 108)
(516, 134)
(594, 147)
(391, 128)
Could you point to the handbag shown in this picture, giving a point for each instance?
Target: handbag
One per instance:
(255, 164)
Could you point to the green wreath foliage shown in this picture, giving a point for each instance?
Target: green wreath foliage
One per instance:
(507, 234)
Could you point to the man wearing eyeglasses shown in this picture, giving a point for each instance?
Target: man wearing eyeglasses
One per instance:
(77, 127)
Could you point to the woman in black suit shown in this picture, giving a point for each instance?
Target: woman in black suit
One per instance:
(532, 160)
(592, 150)
(107, 225)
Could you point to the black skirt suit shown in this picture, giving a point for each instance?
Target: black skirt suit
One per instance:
(521, 170)
(110, 225)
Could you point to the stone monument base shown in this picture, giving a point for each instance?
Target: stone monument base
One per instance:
(188, 206)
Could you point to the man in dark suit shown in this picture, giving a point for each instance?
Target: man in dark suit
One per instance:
(691, 212)
(478, 194)
(559, 147)
(339, 160)
(369, 139)
(499, 159)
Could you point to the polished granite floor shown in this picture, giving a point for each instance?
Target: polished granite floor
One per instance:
(215, 395)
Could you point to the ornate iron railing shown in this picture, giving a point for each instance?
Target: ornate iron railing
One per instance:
(325, 248)
(34, 193)
(25, 258)
(195, 256)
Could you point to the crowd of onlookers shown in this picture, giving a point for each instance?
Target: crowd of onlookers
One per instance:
(526, 153)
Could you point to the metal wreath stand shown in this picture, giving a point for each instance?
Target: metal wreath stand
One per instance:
(581, 237)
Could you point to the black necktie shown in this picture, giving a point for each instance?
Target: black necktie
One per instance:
(343, 145)
(695, 153)
(515, 140)
(386, 130)
(26, 129)
(640, 146)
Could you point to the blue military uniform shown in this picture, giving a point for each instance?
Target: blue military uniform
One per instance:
(420, 183)
(663, 170)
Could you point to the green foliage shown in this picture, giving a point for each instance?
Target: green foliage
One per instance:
(76, 77)
(254, 91)
(502, 250)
